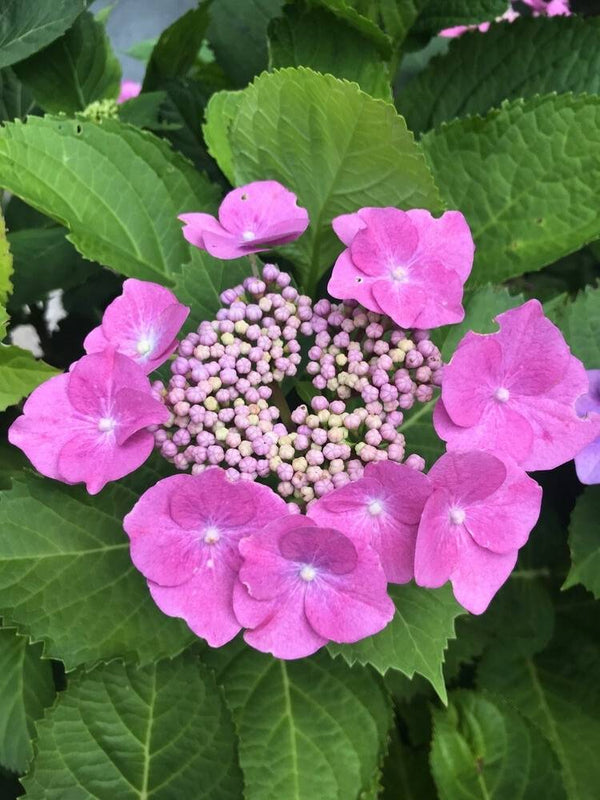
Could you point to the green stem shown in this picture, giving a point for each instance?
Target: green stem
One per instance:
(278, 399)
(254, 265)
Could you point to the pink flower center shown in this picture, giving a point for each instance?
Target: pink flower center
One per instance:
(375, 508)
(457, 515)
(211, 535)
(106, 424)
(144, 346)
(308, 573)
(248, 236)
(400, 274)
(502, 394)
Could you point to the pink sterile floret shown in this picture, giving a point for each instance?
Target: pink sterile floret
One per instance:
(406, 264)
(514, 393)
(301, 586)
(587, 461)
(141, 323)
(383, 508)
(89, 425)
(480, 512)
(128, 90)
(184, 534)
(252, 218)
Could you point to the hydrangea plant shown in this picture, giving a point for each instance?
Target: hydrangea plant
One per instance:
(288, 487)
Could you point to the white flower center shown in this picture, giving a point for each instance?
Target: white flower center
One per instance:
(106, 424)
(457, 515)
(308, 573)
(502, 394)
(248, 236)
(400, 274)
(144, 346)
(211, 535)
(375, 508)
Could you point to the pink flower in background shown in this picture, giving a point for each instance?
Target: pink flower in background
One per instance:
(587, 461)
(514, 393)
(89, 425)
(129, 89)
(549, 8)
(301, 586)
(252, 218)
(184, 534)
(540, 8)
(141, 323)
(384, 509)
(479, 514)
(406, 264)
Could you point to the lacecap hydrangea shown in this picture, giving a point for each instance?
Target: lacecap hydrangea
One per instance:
(296, 496)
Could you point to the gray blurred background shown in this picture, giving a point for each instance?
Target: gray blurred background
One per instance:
(133, 21)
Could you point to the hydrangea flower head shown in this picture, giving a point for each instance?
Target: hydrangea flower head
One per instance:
(514, 393)
(301, 586)
(141, 323)
(184, 534)
(89, 425)
(406, 264)
(587, 461)
(129, 89)
(383, 508)
(480, 512)
(252, 218)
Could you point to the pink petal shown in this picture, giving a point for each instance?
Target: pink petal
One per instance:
(134, 411)
(587, 463)
(437, 551)
(347, 282)
(388, 241)
(266, 209)
(95, 379)
(535, 355)
(95, 458)
(590, 401)
(204, 602)
(468, 477)
(45, 425)
(196, 224)
(95, 341)
(447, 240)
(128, 90)
(210, 498)
(346, 226)
(279, 627)
(479, 574)
(350, 606)
(470, 380)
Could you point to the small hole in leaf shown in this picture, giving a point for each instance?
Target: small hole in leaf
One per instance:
(78, 129)
(358, 280)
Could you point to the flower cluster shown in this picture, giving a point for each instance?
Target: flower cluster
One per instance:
(539, 8)
(226, 552)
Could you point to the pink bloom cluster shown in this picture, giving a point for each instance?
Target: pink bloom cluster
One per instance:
(539, 8)
(587, 461)
(128, 90)
(221, 400)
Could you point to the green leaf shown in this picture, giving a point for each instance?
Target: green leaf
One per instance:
(584, 542)
(526, 177)
(26, 688)
(440, 14)
(238, 36)
(525, 58)
(558, 691)
(162, 731)
(177, 47)
(6, 264)
(484, 750)
(20, 373)
(319, 725)
(333, 145)
(202, 280)
(45, 260)
(118, 189)
(406, 774)
(66, 577)
(220, 113)
(415, 640)
(16, 101)
(75, 70)
(580, 323)
(142, 51)
(26, 27)
(344, 9)
(321, 41)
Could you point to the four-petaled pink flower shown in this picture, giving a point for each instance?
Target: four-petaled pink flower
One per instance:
(129, 89)
(252, 218)
(406, 264)
(514, 393)
(480, 512)
(587, 461)
(301, 586)
(184, 534)
(383, 508)
(89, 425)
(141, 323)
